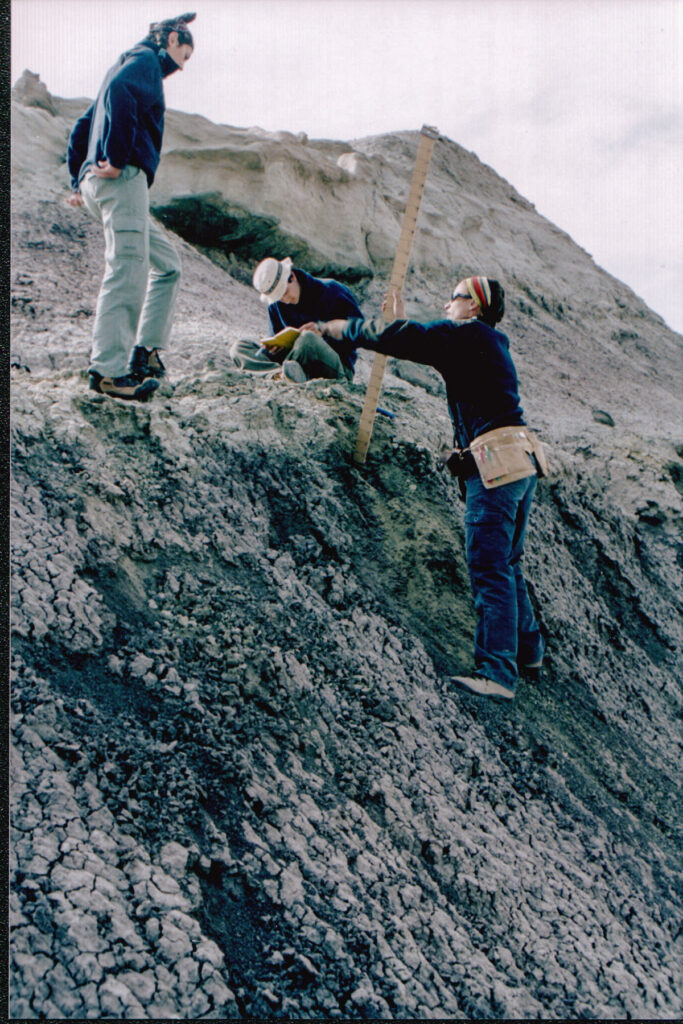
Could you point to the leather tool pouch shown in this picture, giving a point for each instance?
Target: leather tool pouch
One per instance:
(507, 454)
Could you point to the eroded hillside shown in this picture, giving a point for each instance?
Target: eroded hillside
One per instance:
(241, 784)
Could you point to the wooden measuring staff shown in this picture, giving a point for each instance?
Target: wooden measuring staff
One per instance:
(428, 137)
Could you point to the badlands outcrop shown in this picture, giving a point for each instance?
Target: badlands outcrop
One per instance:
(240, 783)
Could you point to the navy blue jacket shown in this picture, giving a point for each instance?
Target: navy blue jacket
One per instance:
(321, 299)
(125, 124)
(473, 359)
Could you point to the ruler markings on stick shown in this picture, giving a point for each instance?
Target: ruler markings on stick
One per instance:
(428, 137)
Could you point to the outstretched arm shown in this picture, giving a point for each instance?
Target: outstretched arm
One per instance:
(403, 339)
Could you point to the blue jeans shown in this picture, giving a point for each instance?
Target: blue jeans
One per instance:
(507, 634)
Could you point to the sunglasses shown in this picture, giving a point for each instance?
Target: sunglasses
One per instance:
(459, 295)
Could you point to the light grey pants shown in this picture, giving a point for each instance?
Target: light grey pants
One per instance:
(141, 276)
(311, 352)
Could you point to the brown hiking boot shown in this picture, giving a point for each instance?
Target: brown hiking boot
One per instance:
(146, 364)
(129, 387)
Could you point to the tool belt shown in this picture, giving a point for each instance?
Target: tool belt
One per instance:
(507, 454)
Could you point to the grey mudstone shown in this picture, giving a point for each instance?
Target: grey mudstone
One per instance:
(207, 951)
(173, 944)
(142, 984)
(86, 968)
(65, 994)
(82, 930)
(117, 1000)
(141, 664)
(173, 858)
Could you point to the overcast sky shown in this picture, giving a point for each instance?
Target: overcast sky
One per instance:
(577, 103)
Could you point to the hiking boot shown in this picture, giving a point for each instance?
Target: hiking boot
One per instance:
(146, 364)
(129, 387)
(479, 686)
(294, 371)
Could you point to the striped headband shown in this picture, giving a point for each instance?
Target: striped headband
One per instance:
(480, 290)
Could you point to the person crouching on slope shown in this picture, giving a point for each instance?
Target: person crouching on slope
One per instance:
(481, 384)
(113, 154)
(296, 299)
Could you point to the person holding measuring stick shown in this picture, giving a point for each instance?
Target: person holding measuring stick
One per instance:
(497, 460)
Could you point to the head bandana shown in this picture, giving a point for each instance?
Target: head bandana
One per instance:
(480, 290)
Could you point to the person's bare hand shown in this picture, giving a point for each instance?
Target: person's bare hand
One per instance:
(393, 306)
(75, 199)
(333, 329)
(105, 170)
(312, 326)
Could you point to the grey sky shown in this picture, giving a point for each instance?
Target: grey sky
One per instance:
(578, 103)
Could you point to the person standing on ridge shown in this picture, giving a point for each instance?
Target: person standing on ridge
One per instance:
(497, 462)
(297, 299)
(113, 154)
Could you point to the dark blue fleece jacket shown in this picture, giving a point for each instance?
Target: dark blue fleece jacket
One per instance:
(321, 299)
(473, 359)
(125, 124)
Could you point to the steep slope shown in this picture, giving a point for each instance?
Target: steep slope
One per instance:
(241, 785)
